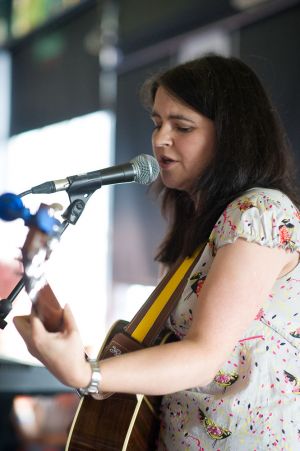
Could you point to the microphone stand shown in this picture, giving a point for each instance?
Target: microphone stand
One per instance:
(78, 200)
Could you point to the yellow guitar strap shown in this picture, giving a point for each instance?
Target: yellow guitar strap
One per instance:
(143, 327)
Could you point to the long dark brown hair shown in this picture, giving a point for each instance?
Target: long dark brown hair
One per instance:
(252, 147)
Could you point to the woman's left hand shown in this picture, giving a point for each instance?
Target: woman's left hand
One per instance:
(61, 352)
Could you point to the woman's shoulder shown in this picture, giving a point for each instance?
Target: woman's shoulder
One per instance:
(263, 215)
(261, 197)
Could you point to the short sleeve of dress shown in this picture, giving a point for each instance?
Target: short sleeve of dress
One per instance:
(264, 216)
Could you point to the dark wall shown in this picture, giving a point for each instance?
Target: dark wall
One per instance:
(271, 47)
(54, 75)
(143, 24)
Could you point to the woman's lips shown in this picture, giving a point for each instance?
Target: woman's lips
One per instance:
(166, 162)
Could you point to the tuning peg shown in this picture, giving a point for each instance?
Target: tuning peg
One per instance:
(12, 207)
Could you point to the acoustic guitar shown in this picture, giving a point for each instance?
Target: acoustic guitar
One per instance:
(119, 422)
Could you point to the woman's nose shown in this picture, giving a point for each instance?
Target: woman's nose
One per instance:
(162, 137)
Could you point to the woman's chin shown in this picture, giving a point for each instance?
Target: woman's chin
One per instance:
(174, 184)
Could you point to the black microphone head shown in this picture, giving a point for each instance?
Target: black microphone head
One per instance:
(146, 169)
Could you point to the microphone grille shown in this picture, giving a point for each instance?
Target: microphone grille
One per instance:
(146, 169)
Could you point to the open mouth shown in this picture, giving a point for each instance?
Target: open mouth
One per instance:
(166, 160)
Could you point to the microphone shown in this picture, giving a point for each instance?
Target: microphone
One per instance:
(142, 169)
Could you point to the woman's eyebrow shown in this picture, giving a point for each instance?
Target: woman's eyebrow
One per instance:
(154, 114)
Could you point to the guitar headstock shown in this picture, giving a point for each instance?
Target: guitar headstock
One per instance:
(44, 233)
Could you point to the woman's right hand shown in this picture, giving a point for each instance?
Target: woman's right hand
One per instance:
(61, 352)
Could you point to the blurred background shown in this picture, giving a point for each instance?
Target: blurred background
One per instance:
(70, 74)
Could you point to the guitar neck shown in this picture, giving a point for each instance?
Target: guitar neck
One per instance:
(48, 309)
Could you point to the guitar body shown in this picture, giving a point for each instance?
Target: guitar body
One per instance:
(121, 421)
(118, 423)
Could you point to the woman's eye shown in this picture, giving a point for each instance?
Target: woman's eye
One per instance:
(184, 129)
(156, 126)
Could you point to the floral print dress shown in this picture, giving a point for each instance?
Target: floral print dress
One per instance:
(253, 402)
